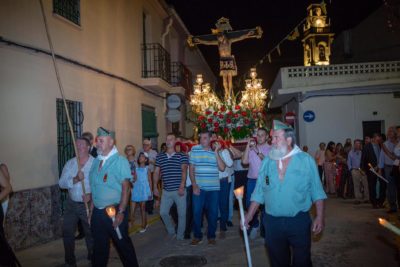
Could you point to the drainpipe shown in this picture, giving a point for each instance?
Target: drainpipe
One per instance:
(167, 30)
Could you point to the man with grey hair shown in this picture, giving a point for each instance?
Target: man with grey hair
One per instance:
(288, 185)
(109, 178)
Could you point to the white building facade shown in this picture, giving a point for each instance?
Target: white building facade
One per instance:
(340, 101)
(118, 62)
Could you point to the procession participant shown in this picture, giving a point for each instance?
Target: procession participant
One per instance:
(370, 155)
(93, 149)
(203, 171)
(75, 210)
(110, 177)
(359, 177)
(224, 183)
(255, 152)
(288, 184)
(385, 163)
(93, 152)
(172, 167)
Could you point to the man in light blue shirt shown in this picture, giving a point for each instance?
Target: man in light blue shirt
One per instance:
(109, 181)
(359, 177)
(288, 184)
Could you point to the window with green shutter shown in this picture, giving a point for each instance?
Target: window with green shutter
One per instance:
(149, 122)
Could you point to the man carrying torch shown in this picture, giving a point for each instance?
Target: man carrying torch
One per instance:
(288, 184)
(109, 181)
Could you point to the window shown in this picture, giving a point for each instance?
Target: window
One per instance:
(69, 9)
(65, 147)
(149, 122)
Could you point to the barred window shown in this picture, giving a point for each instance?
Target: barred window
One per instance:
(69, 9)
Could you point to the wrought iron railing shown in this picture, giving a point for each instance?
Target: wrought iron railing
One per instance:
(181, 76)
(156, 62)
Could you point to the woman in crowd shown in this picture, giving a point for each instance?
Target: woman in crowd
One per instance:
(330, 167)
(7, 256)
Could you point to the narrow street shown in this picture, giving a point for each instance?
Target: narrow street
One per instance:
(352, 237)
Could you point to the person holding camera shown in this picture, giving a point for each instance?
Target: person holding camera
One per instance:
(254, 153)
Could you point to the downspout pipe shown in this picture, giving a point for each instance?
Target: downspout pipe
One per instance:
(167, 30)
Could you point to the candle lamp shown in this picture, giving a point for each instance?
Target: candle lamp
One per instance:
(111, 213)
(389, 226)
(239, 195)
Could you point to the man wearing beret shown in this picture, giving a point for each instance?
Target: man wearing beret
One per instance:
(109, 181)
(288, 184)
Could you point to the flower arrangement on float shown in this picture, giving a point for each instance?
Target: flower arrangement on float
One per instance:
(235, 122)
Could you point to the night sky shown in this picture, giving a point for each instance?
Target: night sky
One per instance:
(277, 19)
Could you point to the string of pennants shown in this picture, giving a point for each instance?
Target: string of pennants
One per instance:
(292, 36)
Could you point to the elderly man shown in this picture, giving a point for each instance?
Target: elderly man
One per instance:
(152, 160)
(254, 153)
(71, 179)
(370, 155)
(359, 177)
(204, 175)
(288, 184)
(110, 177)
(173, 169)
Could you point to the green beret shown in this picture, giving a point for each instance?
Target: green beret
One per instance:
(104, 132)
(278, 125)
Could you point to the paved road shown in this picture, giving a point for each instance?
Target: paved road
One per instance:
(352, 238)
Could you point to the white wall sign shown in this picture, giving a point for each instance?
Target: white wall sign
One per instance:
(174, 101)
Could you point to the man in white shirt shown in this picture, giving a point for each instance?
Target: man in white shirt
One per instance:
(71, 179)
(224, 182)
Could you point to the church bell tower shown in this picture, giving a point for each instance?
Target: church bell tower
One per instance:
(317, 36)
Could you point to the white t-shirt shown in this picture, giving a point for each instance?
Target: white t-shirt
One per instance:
(320, 157)
(227, 159)
(70, 170)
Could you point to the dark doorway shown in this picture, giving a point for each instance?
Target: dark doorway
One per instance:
(371, 127)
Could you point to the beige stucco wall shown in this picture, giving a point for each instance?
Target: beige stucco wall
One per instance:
(109, 39)
(28, 112)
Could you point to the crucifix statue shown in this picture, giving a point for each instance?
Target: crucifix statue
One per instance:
(223, 37)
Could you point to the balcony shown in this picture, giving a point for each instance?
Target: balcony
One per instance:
(181, 79)
(156, 68)
(354, 78)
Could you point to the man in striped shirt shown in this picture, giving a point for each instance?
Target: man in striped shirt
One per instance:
(172, 166)
(203, 171)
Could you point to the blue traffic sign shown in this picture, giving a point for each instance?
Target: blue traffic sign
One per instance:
(309, 116)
